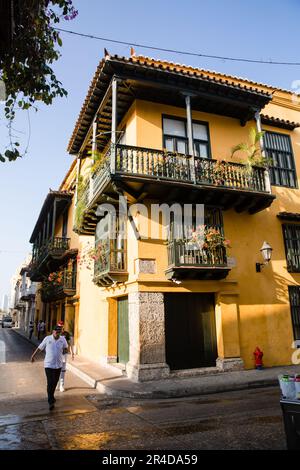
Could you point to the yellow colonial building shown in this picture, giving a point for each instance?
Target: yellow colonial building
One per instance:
(54, 257)
(154, 138)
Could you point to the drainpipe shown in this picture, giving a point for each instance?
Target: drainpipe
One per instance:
(190, 135)
(262, 149)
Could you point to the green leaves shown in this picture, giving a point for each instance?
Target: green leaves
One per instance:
(239, 147)
(10, 155)
(252, 150)
(26, 69)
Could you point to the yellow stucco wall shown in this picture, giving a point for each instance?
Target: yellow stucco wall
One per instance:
(263, 314)
(91, 337)
(252, 309)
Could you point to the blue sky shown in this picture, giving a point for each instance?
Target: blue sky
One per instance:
(259, 30)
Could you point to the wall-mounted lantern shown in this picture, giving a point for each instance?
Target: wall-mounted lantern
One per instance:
(266, 251)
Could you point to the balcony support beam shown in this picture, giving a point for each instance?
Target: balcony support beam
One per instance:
(78, 168)
(53, 218)
(48, 226)
(190, 135)
(114, 119)
(94, 141)
(262, 149)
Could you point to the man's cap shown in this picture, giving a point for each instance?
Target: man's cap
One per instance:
(57, 328)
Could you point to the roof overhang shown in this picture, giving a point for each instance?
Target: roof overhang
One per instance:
(277, 122)
(63, 199)
(149, 82)
(24, 269)
(291, 216)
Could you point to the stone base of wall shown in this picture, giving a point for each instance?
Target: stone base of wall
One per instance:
(147, 372)
(230, 364)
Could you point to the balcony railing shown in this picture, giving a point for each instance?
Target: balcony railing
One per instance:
(28, 292)
(166, 165)
(55, 247)
(238, 185)
(56, 290)
(152, 163)
(181, 253)
(157, 164)
(111, 263)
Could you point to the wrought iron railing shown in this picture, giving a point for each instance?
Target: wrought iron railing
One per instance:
(152, 163)
(229, 175)
(164, 165)
(187, 253)
(167, 165)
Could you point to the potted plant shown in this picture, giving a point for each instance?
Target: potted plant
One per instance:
(210, 243)
(252, 150)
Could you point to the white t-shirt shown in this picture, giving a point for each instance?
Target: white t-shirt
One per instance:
(54, 351)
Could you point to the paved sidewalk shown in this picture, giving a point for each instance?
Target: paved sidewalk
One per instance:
(111, 381)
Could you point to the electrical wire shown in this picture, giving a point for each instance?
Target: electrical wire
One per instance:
(174, 51)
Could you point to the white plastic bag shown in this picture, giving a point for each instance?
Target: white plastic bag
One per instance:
(288, 389)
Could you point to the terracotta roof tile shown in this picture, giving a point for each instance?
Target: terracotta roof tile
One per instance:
(284, 123)
(173, 68)
(294, 216)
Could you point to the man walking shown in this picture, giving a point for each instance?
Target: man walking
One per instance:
(55, 346)
(68, 338)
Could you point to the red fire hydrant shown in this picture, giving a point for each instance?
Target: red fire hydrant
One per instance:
(258, 354)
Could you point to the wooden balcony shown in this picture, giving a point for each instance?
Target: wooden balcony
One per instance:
(187, 261)
(111, 266)
(59, 290)
(48, 256)
(142, 172)
(28, 293)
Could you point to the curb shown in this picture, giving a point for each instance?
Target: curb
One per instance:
(180, 392)
(82, 375)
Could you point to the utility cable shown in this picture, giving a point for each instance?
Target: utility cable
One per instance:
(174, 51)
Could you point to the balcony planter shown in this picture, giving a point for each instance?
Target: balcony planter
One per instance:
(201, 257)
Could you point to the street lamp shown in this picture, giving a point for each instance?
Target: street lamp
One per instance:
(266, 251)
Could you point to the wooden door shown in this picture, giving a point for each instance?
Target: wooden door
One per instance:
(123, 331)
(190, 331)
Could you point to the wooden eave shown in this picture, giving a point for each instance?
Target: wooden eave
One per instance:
(280, 123)
(204, 273)
(63, 198)
(163, 85)
(292, 216)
